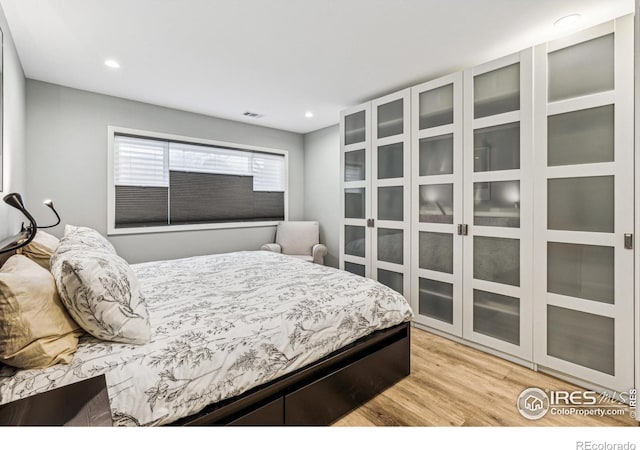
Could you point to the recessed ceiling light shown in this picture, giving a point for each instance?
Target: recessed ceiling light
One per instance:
(567, 21)
(308, 114)
(112, 63)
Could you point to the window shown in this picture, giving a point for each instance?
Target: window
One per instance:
(170, 183)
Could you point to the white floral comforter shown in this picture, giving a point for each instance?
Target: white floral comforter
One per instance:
(221, 325)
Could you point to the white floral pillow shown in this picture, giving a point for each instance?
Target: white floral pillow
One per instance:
(99, 288)
(88, 236)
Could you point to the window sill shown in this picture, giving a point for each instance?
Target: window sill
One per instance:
(194, 227)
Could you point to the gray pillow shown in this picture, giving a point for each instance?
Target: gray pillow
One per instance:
(99, 289)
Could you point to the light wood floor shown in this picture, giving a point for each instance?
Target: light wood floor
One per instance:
(454, 385)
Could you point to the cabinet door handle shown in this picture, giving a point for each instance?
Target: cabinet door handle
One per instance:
(370, 223)
(628, 241)
(463, 229)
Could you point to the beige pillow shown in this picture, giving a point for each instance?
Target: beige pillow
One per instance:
(35, 330)
(41, 248)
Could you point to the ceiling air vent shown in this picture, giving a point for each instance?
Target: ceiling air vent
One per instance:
(253, 115)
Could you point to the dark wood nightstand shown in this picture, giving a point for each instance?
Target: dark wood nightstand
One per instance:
(85, 403)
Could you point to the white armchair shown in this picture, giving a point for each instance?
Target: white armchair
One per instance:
(300, 240)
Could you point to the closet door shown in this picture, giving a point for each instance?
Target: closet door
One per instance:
(584, 205)
(355, 165)
(390, 191)
(436, 130)
(498, 205)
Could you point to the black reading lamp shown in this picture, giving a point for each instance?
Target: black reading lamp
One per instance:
(27, 234)
(49, 204)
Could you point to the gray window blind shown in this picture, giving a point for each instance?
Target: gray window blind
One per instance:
(159, 182)
(141, 174)
(140, 206)
(220, 198)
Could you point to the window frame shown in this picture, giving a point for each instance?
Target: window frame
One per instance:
(112, 131)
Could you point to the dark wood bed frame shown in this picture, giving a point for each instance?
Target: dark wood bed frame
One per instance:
(323, 391)
(319, 393)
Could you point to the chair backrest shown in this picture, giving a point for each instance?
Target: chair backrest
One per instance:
(297, 238)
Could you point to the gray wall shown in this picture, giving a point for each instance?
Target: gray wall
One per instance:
(13, 132)
(67, 160)
(322, 186)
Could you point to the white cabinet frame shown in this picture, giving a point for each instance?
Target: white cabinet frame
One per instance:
(366, 183)
(404, 181)
(636, 314)
(456, 179)
(623, 171)
(524, 233)
(532, 234)
(371, 183)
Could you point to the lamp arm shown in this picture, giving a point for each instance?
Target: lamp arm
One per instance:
(49, 204)
(18, 241)
(15, 200)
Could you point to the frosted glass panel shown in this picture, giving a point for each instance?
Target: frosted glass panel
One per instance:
(436, 251)
(436, 107)
(354, 203)
(436, 300)
(583, 271)
(496, 259)
(581, 137)
(497, 316)
(390, 203)
(496, 204)
(390, 161)
(390, 120)
(354, 128)
(436, 203)
(497, 92)
(582, 69)
(581, 204)
(390, 245)
(354, 165)
(436, 155)
(497, 148)
(581, 338)
(392, 279)
(358, 269)
(354, 240)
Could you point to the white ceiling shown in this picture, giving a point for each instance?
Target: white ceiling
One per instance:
(279, 58)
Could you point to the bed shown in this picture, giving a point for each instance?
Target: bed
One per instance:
(245, 338)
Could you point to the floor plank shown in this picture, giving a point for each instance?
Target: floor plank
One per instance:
(455, 385)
